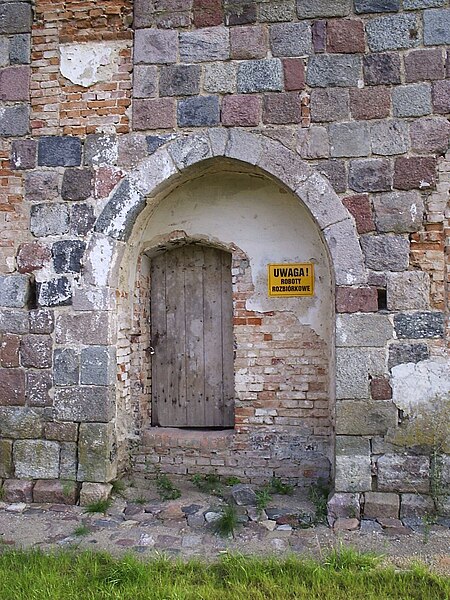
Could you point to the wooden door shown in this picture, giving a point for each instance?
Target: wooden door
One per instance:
(192, 335)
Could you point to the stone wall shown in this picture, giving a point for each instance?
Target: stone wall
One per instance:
(344, 103)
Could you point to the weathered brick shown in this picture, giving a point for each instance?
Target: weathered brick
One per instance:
(381, 69)
(329, 105)
(370, 102)
(281, 10)
(32, 256)
(201, 111)
(36, 351)
(400, 212)
(155, 46)
(179, 80)
(436, 27)
(158, 113)
(370, 175)
(14, 120)
(15, 84)
(241, 110)
(441, 96)
(23, 154)
(67, 256)
(260, 76)
(55, 491)
(309, 9)
(414, 172)
(77, 184)
(419, 325)
(385, 252)
(240, 12)
(345, 35)
(413, 100)
(409, 290)
(424, 64)
(389, 137)
(312, 142)
(12, 390)
(39, 383)
(82, 219)
(84, 404)
(330, 70)
(54, 151)
(430, 135)
(336, 173)
(349, 139)
(282, 108)
(356, 299)
(204, 45)
(294, 74)
(249, 42)
(220, 78)
(359, 206)
(392, 33)
(405, 353)
(55, 292)
(15, 17)
(49, 219)
(376, 6)
(291, 39)
(36, 459)
(208, 13)
(66, 367)
(14, 291)
(9, 350)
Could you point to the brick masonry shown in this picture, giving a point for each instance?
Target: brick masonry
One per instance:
(359, 90)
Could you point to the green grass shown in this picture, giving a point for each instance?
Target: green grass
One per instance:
(100, 506)
(81, 530)
(166, 489)
(227, 522)
(344, 575)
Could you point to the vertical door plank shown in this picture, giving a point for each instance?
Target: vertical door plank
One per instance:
(212, 310)
(158, 336)
(195, 367)
(227, 341)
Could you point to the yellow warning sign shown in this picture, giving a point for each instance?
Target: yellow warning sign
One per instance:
(291, 280)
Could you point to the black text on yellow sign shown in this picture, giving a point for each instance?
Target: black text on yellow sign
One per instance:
(290, 280)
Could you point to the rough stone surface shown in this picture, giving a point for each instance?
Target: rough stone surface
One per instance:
(39, 384)
(14, 290)
(14, 120)
(100, 149)
(5, 459)
(409, 290)
(94, 492)
(353, 466)
(376, 6)
(392, 33)
(348, 261)
(352, 374)
(436, 27)
(32, 256)
(77, 184)
(370, 175)
(179, 80)
(407, 353)
(313, 142)
(356, 299)
(370, 102)
(249, 42)
(67, 256)
(379, 504)
(36, 351)
(389, 137)
(415, 172)
(353, 330)
(424, 64)
(12, 391)
(343, 505)
(260, 76)
(56, 151)
(360, 207)
(412, 100)
(21, 422)
(349, 139)
(66, 367)
(385, 253)
(381, 69)
(441, 96)
(90, 328)
(155, 46)
(49, 219)
(82, 219)
(364, 417)
(282, 109)
(95, 443)
(430, 135)
(399, 212)
(145, 81)
(403, 473)
(23, 154)
(119, 215)
(62, 432)
(241, 110)
(419, 325)
(36, 459)
(345, 36)
(294, 74)
(15, 490)
(244, 495)
(9, 350)
(336, 173)
(329, 105)
(84, 404)
(380, 389)
(41, 186)
(291, 39)
(201, 111)
(339, 70)
(204, 45)
(309, 9)
(55, 491)
(154, 113)
(55, 292)
(97, 365)
(416, 505)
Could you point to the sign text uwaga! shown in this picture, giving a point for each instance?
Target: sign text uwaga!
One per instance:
(291, 279)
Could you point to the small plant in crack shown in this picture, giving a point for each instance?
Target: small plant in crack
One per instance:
(166, 489)
(226, 524)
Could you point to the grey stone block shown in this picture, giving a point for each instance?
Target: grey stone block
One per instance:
(419, 325)
(14, 120)
(14, 290)
(363, 330)
(334, 70)
(82, 219)
(415, 4)
(201, 111)
(389, 137)
(93, 298)
(405, 353)
(132, 149)
(20, 49)
(125, 203)
(95, 452)
(365, 417)
(399, 212)
(352, 373)
(376, 6)
(66, 367)
(86, 328)
(6, 470)
(416, 505)
(349, 139)
(179, 80)
(370, 175)
(381, 69)
(36, 459)
(205, 45)
(13, 321)
(321, 200)
(4, 51)
(157, 46)
(21, 422)
(156, 141)
(381, 504)
(100, 149)
(346, 253)
(436, 27)
(55, 292)
(41, 186)
(145, 81)
(15, 17)
(98, 365)
(313, 142)
(220, 78)
(309, 9)
(77, 184)
(55, 151)
(392, 33)
(84, 404)
(291, 39)
(41, 321)
(39, 384)
(336, 173)
(353, 465)
(188, 151)
(413, 100)
(409, 290)
(260, 76)
(284, 164)
(385, 253)
(342, 505)
(68, 461)
(403, 473)
(67, 256)
(270, 12)
(23, 154)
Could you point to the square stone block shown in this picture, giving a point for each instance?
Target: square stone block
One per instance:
(37, 459)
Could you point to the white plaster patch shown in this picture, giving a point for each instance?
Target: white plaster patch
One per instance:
(91, 62)
(100, 259)
(418, 384)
